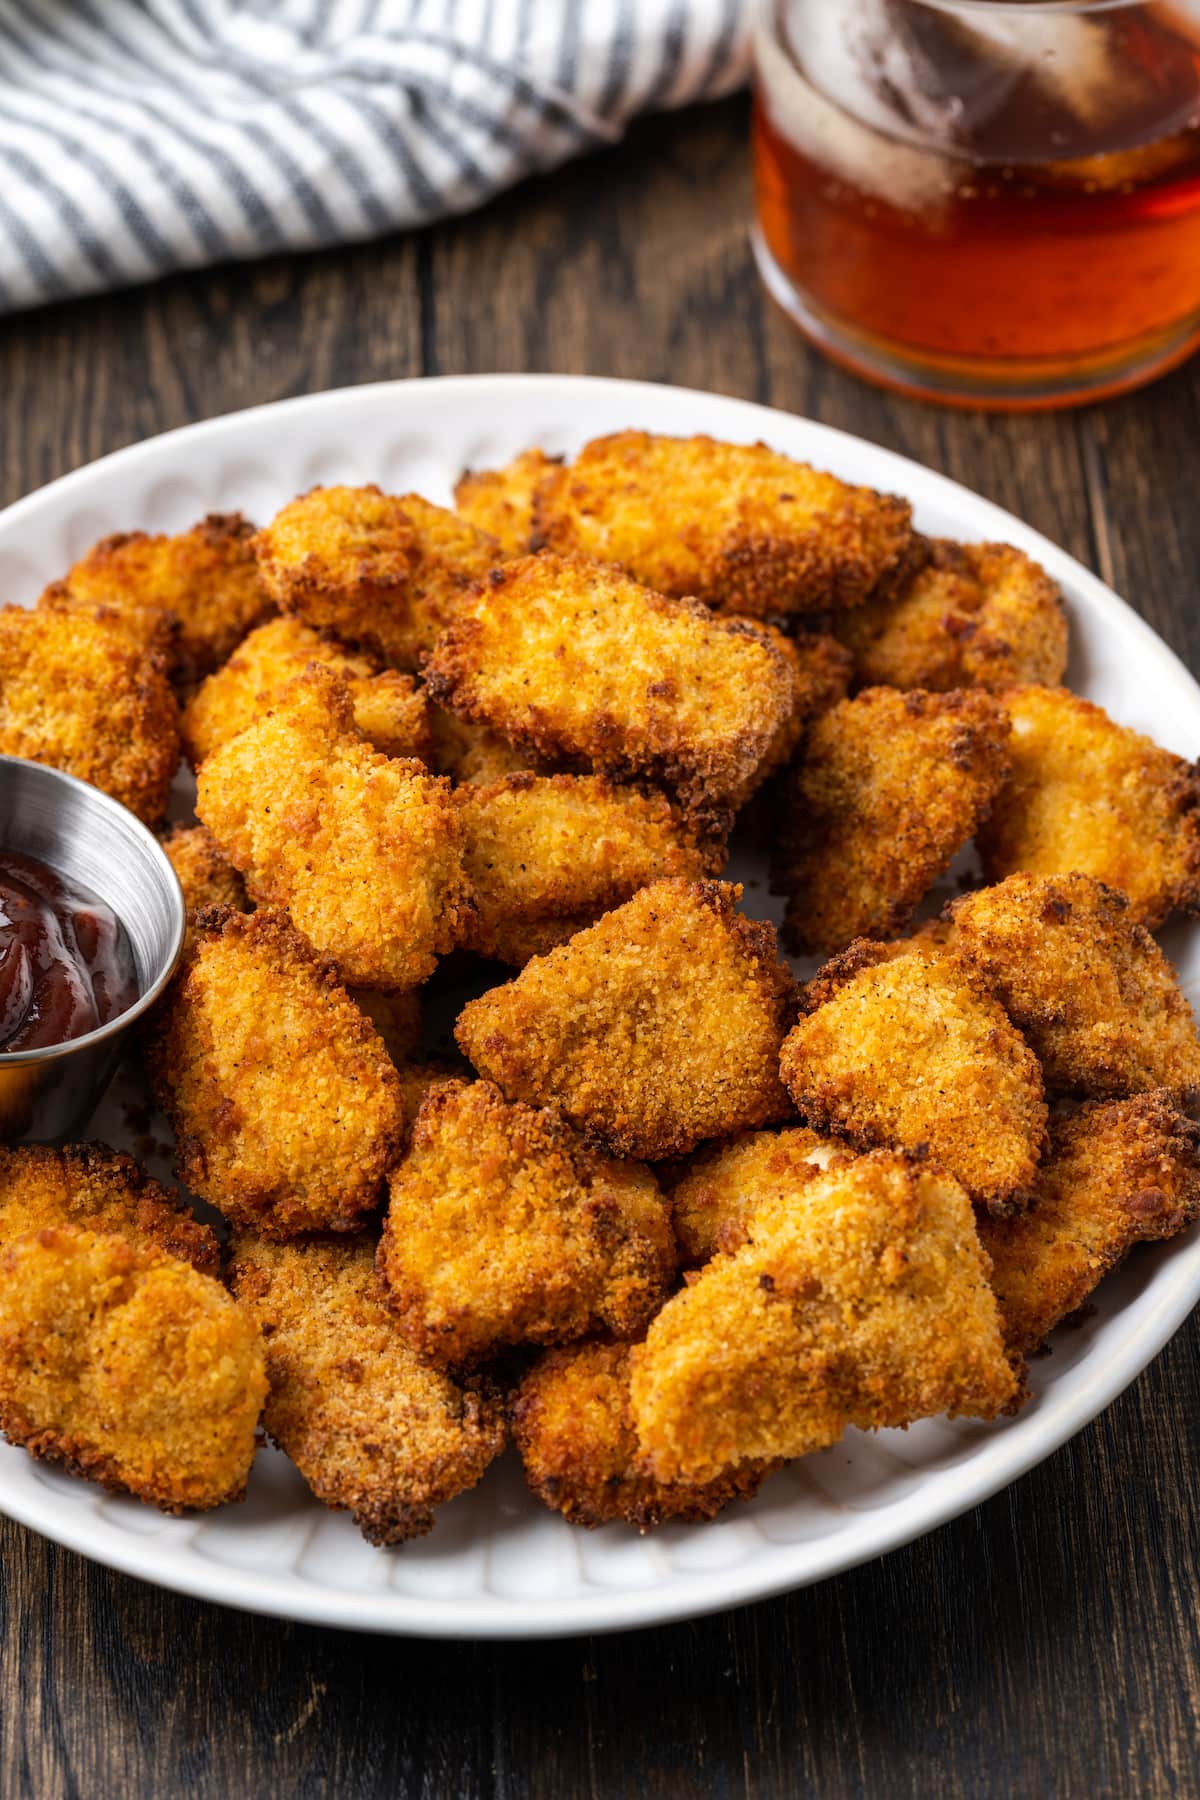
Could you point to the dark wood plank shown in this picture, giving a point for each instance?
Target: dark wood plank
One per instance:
(1045, 1644)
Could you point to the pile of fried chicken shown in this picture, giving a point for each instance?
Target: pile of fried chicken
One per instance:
(674, 1218)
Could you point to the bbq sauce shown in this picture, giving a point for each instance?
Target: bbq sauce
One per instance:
(66, 965)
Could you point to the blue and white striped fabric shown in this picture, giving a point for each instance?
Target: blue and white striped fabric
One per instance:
(140, 136)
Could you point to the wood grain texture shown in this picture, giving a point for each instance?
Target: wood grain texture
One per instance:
(1046, 1644)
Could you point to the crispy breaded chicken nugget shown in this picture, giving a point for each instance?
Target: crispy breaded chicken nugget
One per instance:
(382, 572)
(1119, 1173)
(204, 875)
(889, 788)
(869, 1305)
(149, 630)
(501, 501)
(912, 1050)
(1088, 986)
(389, 709)
(547, 855)
(98, 1189)
(1090, 796)
(573, 1426)
(206, 577)
(128, 1367)
(370, 1427)
(975, 616)
(286, 1107)
(472, 753)
(77, 693)
(652, 1030)
(504, 1227)
(568, 659)
(365, 853)
(736, 525)
(714, 1202)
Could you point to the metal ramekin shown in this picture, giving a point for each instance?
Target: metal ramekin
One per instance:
(94, 843)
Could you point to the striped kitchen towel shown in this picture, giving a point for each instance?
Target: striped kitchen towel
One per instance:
(140, 136)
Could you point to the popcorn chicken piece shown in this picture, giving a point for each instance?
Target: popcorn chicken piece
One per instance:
(78, 693)
(501, 501)
(911, 1050)
(714, 1202)
(365, 853)
(1090, 989)
(574, 1428)
(148, 630)
(653, 1029)
(547, 855)
(890, 787)
(129, 1367)
(567, 659)
(868, 1305)
(371, 1428)
(1119, 1173)
(286, 1108)
(736, 525)
(98, 1189)
(390, 711)
(975, 616)
(504, 1227)
(384, 573)
(1089, 796)
(206, 579)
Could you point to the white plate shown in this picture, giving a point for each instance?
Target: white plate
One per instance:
(497, 1564)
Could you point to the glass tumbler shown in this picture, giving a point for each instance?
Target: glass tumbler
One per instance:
(989, 202)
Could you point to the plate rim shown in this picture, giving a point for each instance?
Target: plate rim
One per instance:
(990, 1467)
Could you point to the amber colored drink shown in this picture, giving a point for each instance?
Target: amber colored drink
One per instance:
(997, 204)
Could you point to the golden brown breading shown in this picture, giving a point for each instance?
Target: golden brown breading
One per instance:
(547, 855)
(385, 573)
(568, 659)
(286, 1107)
(206, 577)
(889, 788)
(365, 853)
(869, 1305)
(1119, 1173)
(337, 556)
(736, 525)
(471, 753)
(504, 1227)
(501, 501)
(204, 875)
(574, 1428)
(652, 1030)
(1089, 987)
(396, 1016)
(129, 1367)
(76, 692)
(370, 1427)
(148, 630)
(714, 1201)
(98, 1189)
(975, 616)
(912, 1050)
(1090, 796)
(389, 710)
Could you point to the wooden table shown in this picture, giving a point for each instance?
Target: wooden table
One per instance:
(1046, 1644)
